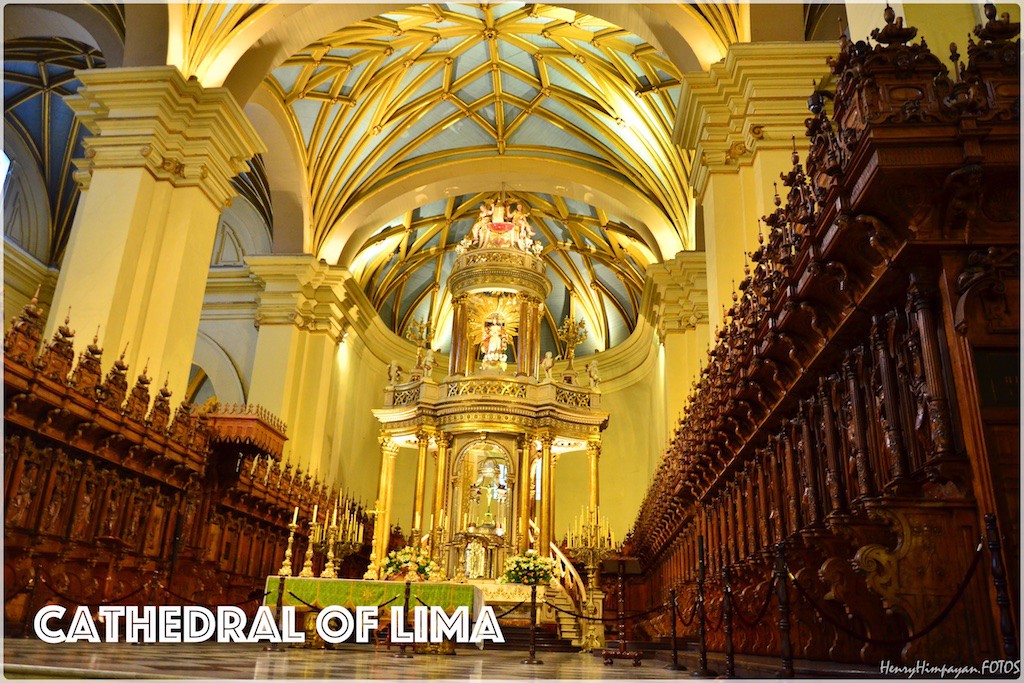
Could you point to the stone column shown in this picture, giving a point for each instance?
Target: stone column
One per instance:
(740, 118)
(301, 323)
(547, 502)
(422, 442)
(156, 175)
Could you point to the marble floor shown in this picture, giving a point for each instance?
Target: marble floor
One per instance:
(32, 659)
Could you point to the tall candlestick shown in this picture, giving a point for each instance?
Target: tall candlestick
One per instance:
(334, 521)
(295, 515)
(315, 509)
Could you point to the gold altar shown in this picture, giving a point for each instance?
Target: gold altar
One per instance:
(496, 424)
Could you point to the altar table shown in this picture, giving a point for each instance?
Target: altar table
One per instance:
(352, 593)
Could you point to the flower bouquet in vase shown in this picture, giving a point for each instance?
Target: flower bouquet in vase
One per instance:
(410, 563)
(529, 569)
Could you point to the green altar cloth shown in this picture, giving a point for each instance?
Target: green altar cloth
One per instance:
(352, 593)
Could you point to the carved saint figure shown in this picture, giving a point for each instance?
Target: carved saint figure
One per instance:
(595, 379)
(495, 341)
(498, 212)
(475, 556)
(394, 373)
(547, 365)
(428, 362)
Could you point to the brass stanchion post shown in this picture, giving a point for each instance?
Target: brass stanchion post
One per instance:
(675, 665)
(402, 654)
(532, 659)
(730, 653)
(1006, 629)
(785, 647)
(702, 629)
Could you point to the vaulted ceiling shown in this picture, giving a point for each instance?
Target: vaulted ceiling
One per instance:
(425, 86)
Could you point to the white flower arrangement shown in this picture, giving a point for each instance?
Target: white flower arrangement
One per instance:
(529, 568)
(411, 563)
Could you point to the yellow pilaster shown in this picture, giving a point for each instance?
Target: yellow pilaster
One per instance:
(300, 327)
(681, 289)
(155, 177)
(740, 118)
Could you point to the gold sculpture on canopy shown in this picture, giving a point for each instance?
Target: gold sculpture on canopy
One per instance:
(493, 323)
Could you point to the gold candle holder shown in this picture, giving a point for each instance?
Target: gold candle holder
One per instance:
(286, 565)
(307, 565)
(330, 571)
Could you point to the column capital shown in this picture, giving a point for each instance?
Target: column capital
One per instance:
(302, 291)
(388, 446)
(153, 118)
(753, 99)
(680, 292)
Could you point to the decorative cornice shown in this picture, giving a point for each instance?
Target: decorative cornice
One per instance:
(753, 99)
(680, 292)
(152, 118)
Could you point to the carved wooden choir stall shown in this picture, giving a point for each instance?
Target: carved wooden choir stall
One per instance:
(111, 501)
(860, 405)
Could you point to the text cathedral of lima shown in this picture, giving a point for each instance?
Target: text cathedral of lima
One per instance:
(679, 334)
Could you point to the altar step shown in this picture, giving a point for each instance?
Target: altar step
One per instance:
(518, 638)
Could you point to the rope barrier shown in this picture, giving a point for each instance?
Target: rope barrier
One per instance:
(693, 614)
(510, 610)
(76, 601)
(201, 604)
(753, 623)
(314, 607)
(900, 641)
(608, 619)
(721, 617)
(16, 593)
